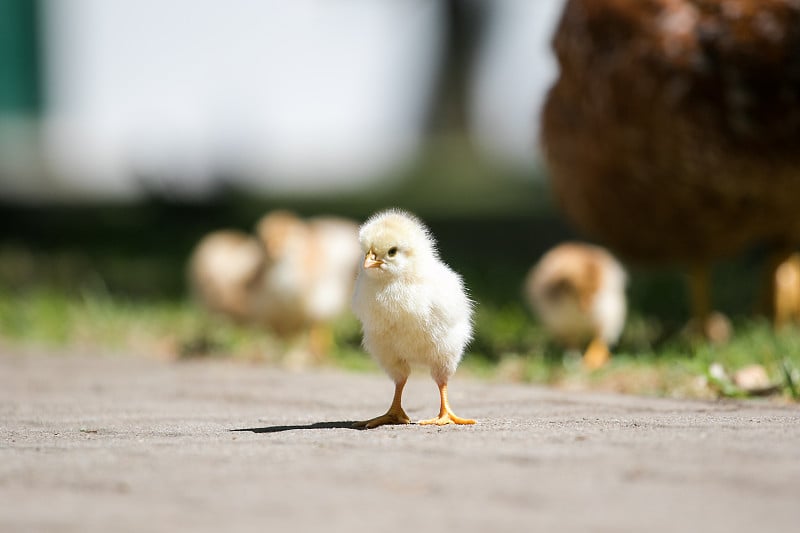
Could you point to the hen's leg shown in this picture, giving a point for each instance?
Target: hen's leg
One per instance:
(784, 289)
(706, 323)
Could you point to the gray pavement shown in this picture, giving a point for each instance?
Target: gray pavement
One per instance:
(112, 443)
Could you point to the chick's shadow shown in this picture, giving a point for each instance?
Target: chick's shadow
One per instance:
(342, 424)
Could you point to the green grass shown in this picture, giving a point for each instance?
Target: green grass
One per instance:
(676, 367)
(652, 358)
(111, 279)
(509, 344)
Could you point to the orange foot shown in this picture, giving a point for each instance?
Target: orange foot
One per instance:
(383, 420)
(446, 415)
(395, 415)
(596, 355)
(444, 419)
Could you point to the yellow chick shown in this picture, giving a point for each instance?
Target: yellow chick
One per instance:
(578, 292)
(413, 309)
(222, 271)
(309, 271)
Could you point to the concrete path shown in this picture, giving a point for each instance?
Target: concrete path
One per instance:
(108, 443)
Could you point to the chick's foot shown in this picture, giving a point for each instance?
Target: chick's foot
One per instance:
(446, 415)
(445, 419)
(392, 417)
(596, 355)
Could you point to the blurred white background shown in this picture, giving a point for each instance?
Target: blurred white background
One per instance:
(301, 96)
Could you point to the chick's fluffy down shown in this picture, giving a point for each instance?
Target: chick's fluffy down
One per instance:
(578, 291)
(416, 312)
(222, 268)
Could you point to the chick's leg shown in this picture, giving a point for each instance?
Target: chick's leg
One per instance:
(395, 414)
(597, 354)
(320, 341)
(446, 415)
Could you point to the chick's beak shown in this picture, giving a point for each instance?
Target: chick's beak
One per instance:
(371, 260)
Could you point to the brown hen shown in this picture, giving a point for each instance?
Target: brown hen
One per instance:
(673, 131)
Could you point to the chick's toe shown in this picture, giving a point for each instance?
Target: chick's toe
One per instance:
(392, 417)
(445, 419)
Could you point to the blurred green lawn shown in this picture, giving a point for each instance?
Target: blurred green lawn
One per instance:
(111, 279)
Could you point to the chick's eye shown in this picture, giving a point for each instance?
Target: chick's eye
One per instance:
(392, 251)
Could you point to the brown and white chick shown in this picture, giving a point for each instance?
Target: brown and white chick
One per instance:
(222, 270)
(308, 274)
(413, 309)
(578, 291)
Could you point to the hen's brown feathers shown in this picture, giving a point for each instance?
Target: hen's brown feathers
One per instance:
(673, 129)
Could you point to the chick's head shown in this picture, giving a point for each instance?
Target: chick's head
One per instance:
(395, 243)
(280, 233)
(568, 275)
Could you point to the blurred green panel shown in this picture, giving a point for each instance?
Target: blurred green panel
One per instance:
(20, 75)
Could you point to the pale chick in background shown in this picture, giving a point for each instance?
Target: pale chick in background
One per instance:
(578, 292)
(413, 308)
(309, 271)
(222, 271)
(294, 276)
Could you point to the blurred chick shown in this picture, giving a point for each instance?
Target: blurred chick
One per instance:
(222, 270)
(671, 133)
(413, 309)
(578, 291)
(294, 276)
(309, 270)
